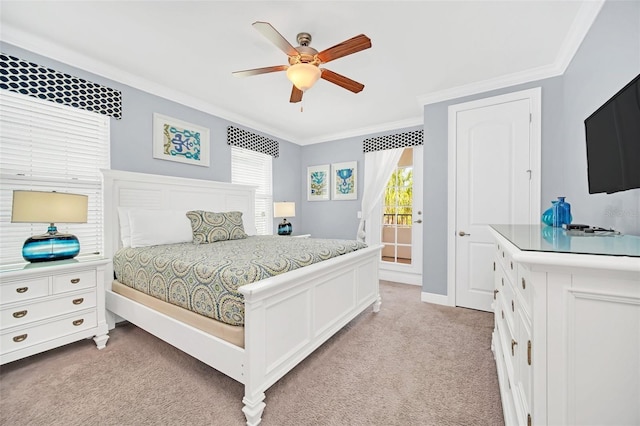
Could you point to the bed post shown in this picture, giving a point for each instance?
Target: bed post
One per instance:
(377, 303)
(253, 408)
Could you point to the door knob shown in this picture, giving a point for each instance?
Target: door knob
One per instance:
(463, 234)
(417, 221)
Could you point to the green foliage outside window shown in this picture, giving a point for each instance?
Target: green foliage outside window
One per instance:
(398, 197)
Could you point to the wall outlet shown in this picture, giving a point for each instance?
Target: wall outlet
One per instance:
(359, 215)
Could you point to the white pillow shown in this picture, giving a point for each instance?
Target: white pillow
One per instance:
(125, 226)
(154, 227)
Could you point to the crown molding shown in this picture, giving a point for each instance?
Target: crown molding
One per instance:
(46, 48)
(363, 131)
(582, 23)
(58, 53)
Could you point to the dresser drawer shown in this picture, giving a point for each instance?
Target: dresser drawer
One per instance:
(506, 336)
(74, 281)
(18, 314)
(15, 291)
(505, 258)
(45, 331)
(524, 287)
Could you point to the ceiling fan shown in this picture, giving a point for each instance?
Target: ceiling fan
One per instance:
(304, 61)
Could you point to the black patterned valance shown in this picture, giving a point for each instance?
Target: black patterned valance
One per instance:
(247, 140)
(398, 140)
(31, 79)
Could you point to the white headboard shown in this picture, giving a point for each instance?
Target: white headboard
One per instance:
(129, 189)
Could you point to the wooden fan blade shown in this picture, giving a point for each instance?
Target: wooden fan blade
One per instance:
(347, 47)
(341, 80)
(256, 71)
(296, 95)
(275, 37)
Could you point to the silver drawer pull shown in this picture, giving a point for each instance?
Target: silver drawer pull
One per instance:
(78, 322)
(20, 314)
(78, 301)
(75, 280)
(22, 289)
(20, 338)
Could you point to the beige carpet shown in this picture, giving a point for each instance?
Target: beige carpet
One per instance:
(411, 364)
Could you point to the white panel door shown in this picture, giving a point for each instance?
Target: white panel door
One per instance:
(493, 184)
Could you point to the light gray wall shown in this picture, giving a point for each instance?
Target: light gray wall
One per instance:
(131, 137)
(436, 170)
(608, 58)
(331, 219)
(286, 182)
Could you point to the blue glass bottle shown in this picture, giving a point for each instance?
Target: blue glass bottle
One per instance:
(561, 213)
(547, 216)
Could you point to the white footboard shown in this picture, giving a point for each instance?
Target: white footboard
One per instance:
(287, 317)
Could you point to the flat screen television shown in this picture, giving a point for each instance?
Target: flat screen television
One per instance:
(613, 142)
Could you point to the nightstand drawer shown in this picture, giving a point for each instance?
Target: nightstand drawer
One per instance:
(45, 331)
(74, 281)
(24, 290)
(26, 313)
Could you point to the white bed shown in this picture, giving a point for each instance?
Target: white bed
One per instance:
(286, 317)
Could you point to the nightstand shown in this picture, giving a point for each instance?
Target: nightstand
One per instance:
(297, 236)
(50, 304)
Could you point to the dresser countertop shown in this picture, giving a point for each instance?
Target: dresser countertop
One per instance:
(541, 238)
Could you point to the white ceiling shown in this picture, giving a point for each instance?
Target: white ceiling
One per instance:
(422, 51)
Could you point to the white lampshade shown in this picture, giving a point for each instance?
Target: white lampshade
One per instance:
(284, 209)
(303, 76)
(48, 207)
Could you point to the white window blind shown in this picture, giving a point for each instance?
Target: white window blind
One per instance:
(46, 146)
(254, 168)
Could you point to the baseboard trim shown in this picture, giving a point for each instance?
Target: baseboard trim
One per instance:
(399, 277)
(438, 299)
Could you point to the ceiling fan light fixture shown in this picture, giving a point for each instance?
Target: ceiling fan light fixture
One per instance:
(303, 76)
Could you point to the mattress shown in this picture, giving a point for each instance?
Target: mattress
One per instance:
(204, 278)
(231, 333)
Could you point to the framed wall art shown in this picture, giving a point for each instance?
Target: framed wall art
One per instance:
(344, 178)
(318, 183)
(177, 140)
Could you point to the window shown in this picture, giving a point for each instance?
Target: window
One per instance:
(398, 212)
(254, 168)
(46, 146)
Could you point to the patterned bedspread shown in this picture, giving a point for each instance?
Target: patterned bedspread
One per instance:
(204, 278)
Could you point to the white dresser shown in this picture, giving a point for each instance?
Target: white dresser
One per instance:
(567, 326)
(50, 304)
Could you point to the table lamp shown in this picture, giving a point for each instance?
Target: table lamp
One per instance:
(284, 210)
(49, 207)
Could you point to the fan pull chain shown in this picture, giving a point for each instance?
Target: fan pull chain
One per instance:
(302, 104)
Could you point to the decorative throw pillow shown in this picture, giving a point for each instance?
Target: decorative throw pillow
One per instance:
(209, 227)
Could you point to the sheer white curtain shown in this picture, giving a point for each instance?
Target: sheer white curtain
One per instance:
(378, 167)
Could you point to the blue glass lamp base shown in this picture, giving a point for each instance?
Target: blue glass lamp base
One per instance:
(50, 246)
(285, 228)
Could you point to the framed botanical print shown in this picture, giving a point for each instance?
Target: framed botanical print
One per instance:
(318, 182)
(344, 178)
